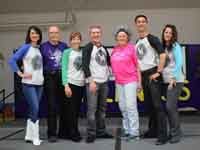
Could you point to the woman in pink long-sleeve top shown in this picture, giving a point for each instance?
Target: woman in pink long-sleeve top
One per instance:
(127, 77)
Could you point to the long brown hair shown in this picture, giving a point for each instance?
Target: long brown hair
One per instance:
(174, 35)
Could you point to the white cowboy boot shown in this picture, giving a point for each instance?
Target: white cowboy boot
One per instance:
(36, 137)
(29, 135)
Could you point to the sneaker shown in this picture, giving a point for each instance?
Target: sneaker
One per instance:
(175, 139)
(161, 142)
(124, 136)
(76, 139)
(90, 139)
(133, 137)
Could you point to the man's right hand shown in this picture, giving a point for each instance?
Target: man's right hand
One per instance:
(93, 87)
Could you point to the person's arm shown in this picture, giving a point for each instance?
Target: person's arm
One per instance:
(178, 60)
(65, 63)
(135, 58)
(156, 44)
(86, 56)
(107, 57)
(21, 52)
(86, 66)
(161, 65)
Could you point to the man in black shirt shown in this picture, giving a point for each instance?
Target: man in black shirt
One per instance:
(151, 60)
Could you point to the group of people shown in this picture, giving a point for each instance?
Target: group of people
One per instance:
(67, 71)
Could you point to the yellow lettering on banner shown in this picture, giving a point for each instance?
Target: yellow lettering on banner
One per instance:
(109, 100)
(185, 96)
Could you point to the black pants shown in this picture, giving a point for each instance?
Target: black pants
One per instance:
(153, 105)
(72, 109)
(54, 92)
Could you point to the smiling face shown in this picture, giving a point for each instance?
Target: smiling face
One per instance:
(141, 24)
(75, 42)
(95, 35)
(54, 34)
(122, 38)
(34, 36)
(168, 35)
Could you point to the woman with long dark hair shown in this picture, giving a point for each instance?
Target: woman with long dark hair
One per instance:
(173, 78)
(32, 79)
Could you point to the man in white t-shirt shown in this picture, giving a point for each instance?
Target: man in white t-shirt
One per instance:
(151, 61)
(95, 66)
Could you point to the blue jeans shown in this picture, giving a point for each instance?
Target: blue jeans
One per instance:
(128, 106)
(33, 94)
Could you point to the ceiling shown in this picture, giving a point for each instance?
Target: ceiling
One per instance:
(22, 6)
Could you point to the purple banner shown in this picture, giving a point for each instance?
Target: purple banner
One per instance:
(188, 101)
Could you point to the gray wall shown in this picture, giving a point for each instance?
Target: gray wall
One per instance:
(186, 20)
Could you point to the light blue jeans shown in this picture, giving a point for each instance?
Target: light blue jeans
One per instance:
(128, 105)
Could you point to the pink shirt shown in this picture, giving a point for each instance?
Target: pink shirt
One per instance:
(124, 64)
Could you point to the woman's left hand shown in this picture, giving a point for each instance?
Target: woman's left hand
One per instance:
(172, 83)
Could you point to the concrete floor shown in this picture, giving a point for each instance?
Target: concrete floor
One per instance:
(190, 141)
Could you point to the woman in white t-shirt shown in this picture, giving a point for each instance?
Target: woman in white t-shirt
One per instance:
(32, 79)
(173, 78)
(73, 80)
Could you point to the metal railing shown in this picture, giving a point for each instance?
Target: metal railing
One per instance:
(3, 100)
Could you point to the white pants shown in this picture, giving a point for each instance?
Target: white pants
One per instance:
(128, 106)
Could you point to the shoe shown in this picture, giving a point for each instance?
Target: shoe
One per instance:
(149, 135)
(52, 139)
(124, 135)
(76, 139)
(90, 139)
(29, 136)
(104, 135)
(133, 137)
(161, 142)
(36, 137)
(175, 139)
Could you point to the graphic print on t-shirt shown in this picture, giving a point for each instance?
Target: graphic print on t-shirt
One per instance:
(78, 63)
(56, 57)
(141, 51)
(36, 62)
(169, 59)
(101, 58)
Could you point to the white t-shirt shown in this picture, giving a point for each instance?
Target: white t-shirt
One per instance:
(148, 50)
(98, 65)
(75, 72)
(32, 63)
